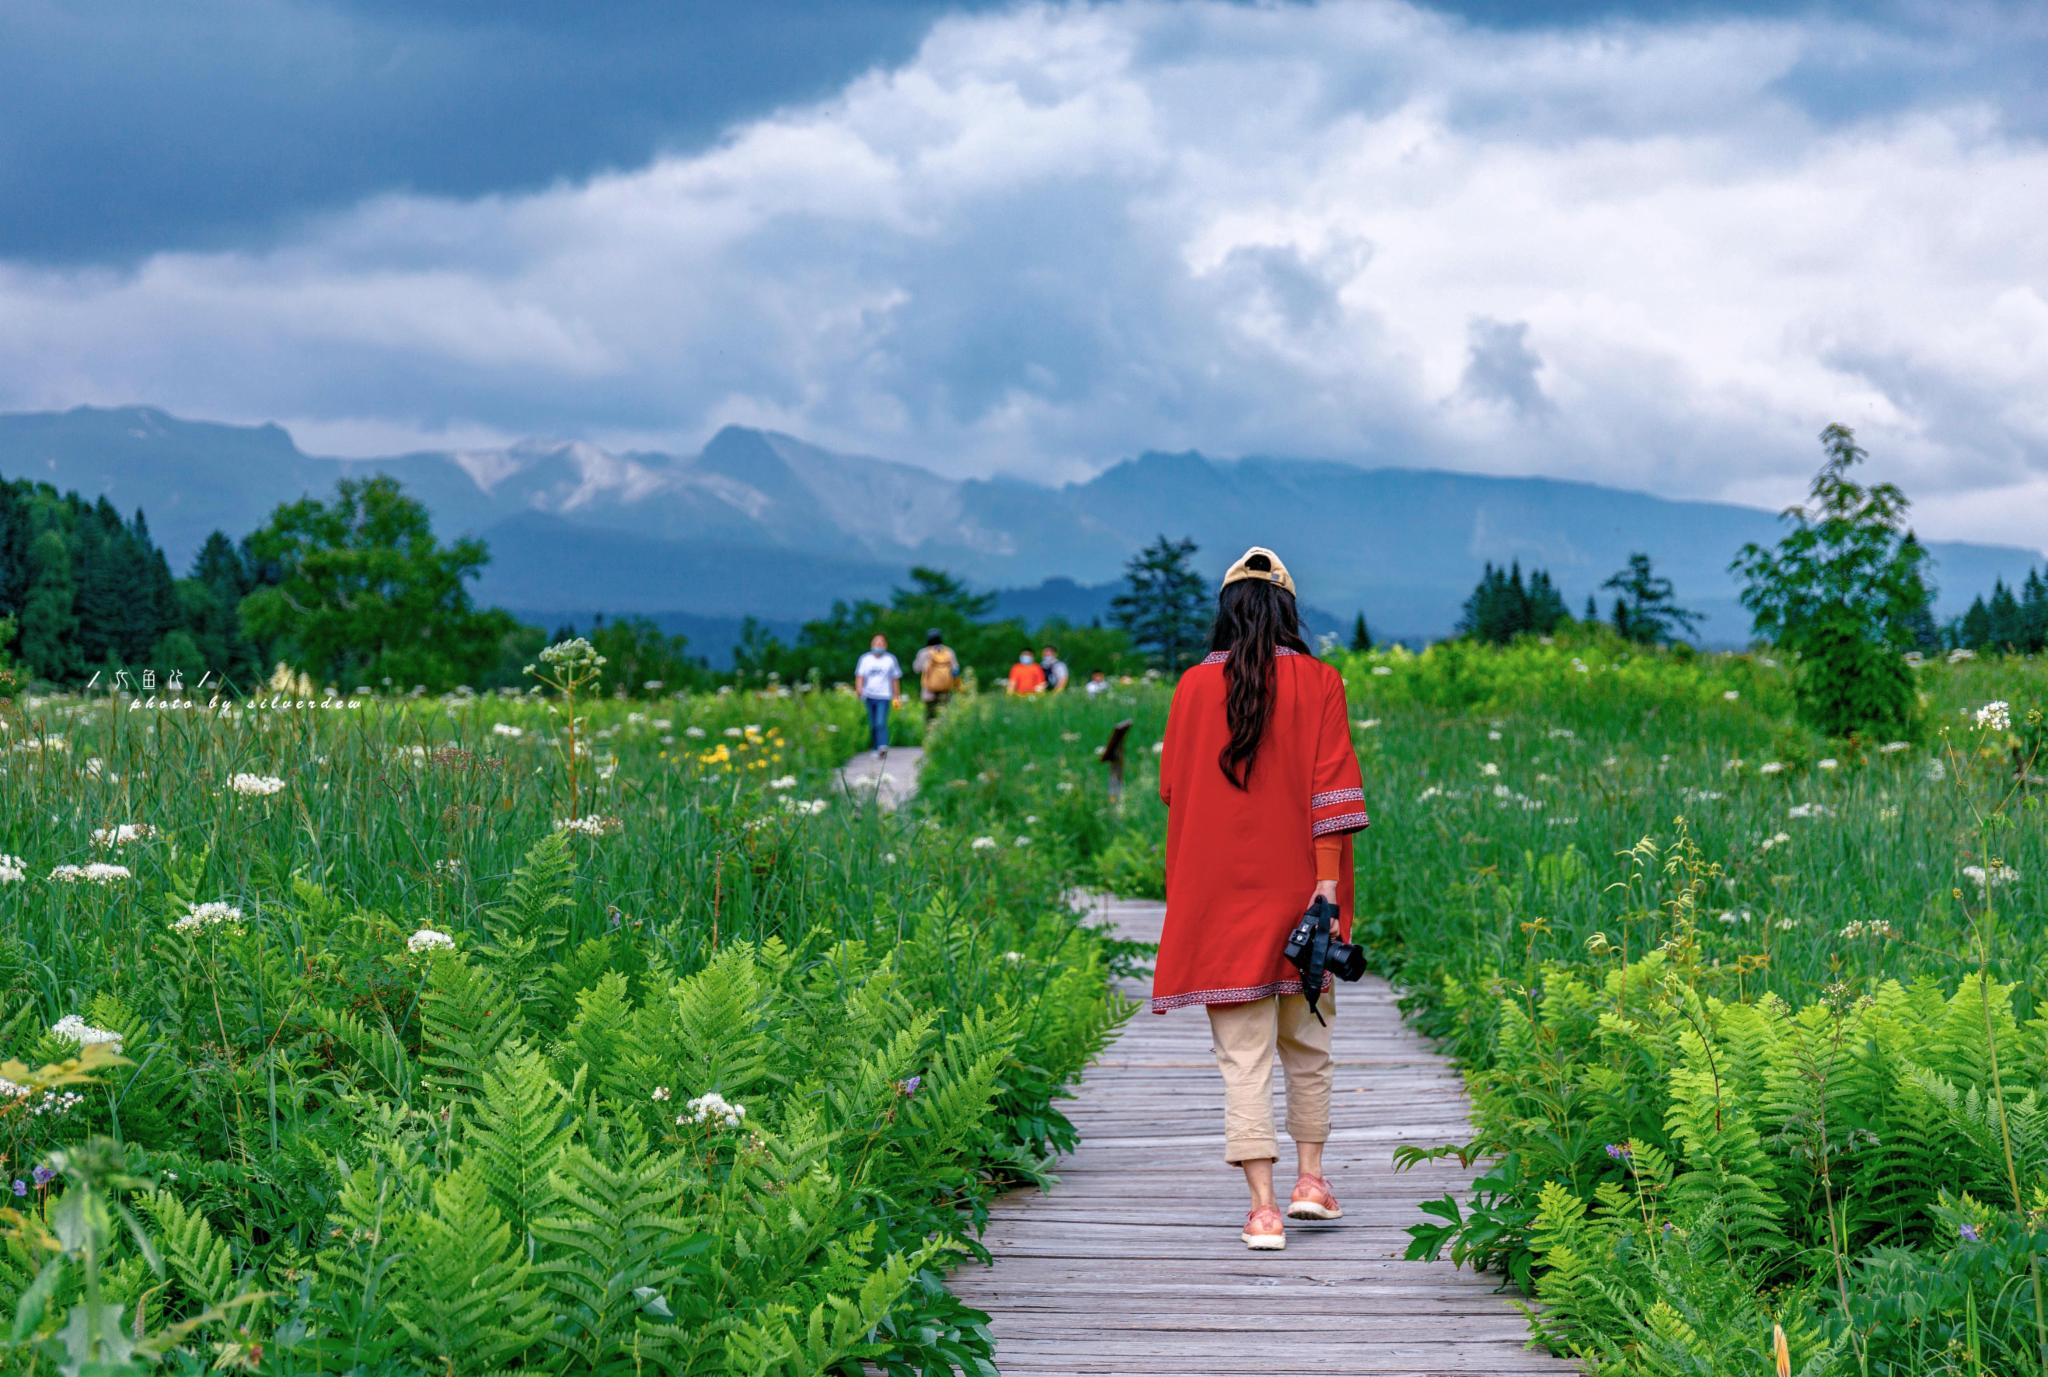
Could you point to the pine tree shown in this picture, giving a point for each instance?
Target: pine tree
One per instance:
(1645, 609)
(2007, 629)
(1361, 638)
(49, 623)
(1164, 603)
(1973, 632)
(2034, 614)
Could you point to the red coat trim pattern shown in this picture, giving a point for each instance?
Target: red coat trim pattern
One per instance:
(1240, 863)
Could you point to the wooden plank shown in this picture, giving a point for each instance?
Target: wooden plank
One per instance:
(1131, 1264)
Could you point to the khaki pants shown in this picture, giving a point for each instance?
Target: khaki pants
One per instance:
(1246, 1037)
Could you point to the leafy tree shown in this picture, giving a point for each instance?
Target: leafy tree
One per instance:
(49, 625)
(1164, 607)
(640, 656)
(1645, 609)
(1361, 638)
(1839, 591)
(364, 592)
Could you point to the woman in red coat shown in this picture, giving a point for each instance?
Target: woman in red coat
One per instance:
(1263, 793)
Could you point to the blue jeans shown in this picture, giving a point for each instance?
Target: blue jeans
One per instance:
(878, 722)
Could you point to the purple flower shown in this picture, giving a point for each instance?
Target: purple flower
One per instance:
(44, 1176)
(1969, 1233)
(20, 1186)
(909, 1087)
(1618, 1151)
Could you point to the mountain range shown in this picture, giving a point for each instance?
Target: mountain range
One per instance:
(765, 524)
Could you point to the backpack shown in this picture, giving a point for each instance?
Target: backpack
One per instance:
(938, 676)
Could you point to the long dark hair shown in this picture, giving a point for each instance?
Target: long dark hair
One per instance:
(1253, 619)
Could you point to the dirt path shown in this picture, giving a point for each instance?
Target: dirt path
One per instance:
(1132, 1263)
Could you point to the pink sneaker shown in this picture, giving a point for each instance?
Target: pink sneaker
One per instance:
(1263, 1230)
(1313, 1200)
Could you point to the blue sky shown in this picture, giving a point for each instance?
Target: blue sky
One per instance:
(1651, 245)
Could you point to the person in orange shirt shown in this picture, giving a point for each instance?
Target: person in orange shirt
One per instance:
(1026, 676)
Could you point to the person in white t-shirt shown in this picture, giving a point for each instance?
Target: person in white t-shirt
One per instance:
(880, 679)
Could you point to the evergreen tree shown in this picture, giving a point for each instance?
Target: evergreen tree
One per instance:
(1361, 638)
(1504, 606)
(1546, 609)
(49, 624)
(2007, 630)
(1973, 631)
(2034, 614)
(1645, 609)
(1164, 607)
(1592, 610)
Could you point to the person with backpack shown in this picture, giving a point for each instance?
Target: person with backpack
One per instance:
(1026, 676)
(938, 673)
(1055, 671)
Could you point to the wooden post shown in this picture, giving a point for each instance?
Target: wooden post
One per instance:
(1112, 755)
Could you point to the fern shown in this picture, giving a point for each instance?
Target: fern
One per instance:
(518, 1132)
(199, 1258)
(468, 1015)
(466, 1293)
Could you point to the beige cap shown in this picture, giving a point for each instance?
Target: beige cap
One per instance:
(1243, 570)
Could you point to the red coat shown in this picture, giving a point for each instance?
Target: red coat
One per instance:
(1240, 863)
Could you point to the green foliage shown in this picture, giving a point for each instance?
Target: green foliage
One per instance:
(359, 591)
(1646, 609)
(357, 1151)
(1842, 591)
(1164, 607)
(1503, 607)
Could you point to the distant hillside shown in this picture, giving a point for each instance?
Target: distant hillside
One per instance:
(766, 524)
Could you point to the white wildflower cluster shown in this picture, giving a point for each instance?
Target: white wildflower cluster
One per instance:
(1697, 795)
(1730, 695)
(1894, 747)
(1735, 917)
(448, 866)
(72, 1028)
(1488, 769)
(1999, 874)
(1562, 734)
(1771, 767)
(121, 834)
(1021, 841)
(427, 939)
(574, 655)
(1778, 839)
(1960, 654)
(782, 783)
(982, 844)
(36, 745)
(660, 1095)
(13, 870)
(97, 873)
(1366, 724)
(1509, 798)
(210, 915)
(1875, 928)
(694, 733)
(804, 807)
(1828, 763)
(507, 730)
(712, 1107)
(59, 1102)
(1571, 821)
(1382, 670)
(1736, 763)
(1015, 958)
(1995, 716)
(10, 1090)
(255, 786)
(1937, 769)
(1809, 810)
(596, 825)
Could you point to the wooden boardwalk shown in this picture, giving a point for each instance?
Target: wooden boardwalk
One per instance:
(1132, 1263)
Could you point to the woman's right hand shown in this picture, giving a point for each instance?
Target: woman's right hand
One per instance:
(1327, 890)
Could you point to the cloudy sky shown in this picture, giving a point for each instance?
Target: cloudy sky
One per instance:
(1657, 245)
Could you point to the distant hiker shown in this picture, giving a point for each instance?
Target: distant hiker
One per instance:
(938, 672)
(1098, 682)
(1263, 792)
(1055, 671)
(1026, 676)
(879, 677)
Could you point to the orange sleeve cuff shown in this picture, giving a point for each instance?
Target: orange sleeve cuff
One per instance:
(1329, 857)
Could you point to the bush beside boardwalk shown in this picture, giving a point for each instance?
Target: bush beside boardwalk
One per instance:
(715, 1077)
(1715, 981)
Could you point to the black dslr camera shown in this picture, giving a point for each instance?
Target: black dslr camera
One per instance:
(1314, 949)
